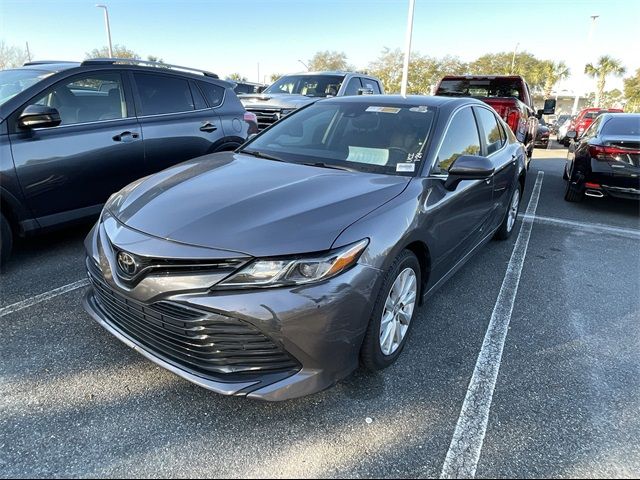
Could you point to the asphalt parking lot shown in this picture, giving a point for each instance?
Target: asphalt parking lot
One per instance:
(75, 402)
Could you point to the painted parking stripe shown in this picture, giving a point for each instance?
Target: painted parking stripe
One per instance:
(464, 451)
(587, 227)
(43, 297)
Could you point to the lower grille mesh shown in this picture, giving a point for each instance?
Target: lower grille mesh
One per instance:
(203, 342)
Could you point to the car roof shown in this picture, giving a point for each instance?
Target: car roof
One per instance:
(48, 65)
(409, 100)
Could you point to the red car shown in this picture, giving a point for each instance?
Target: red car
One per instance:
(586, 117)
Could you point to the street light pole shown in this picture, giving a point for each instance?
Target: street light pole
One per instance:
(576, 100)
(106, 23)
(407, 49)
(513, 58)
(305, 65)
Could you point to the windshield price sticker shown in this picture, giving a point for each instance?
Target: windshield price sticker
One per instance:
(414, 157)
(406, 167)
(383, 109)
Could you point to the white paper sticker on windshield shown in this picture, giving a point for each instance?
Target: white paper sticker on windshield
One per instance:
(406, 167)
(372, 156)
(383, 109)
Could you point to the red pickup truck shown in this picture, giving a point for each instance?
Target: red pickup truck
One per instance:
(509, 96)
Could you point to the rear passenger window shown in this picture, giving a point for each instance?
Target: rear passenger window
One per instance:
(213, 93)
(163, 94)
(493, 137)
(372, 84)
(461, 138)
(198, 99)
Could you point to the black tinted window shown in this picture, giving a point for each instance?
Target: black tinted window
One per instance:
(198, 98)
(353, 86)
(163, 94)
(88, 98)
(213, 93)
(460, 139)
(622, 125)
(493, 137)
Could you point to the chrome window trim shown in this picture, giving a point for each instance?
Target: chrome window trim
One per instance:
(175, 113)
(111, 120)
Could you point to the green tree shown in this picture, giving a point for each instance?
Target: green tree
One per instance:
(610, 99)
(606, 66)
(524, 63)
(119, 51)
(632, 92)
(329, 60)
(553, 72)
(11, 56)
(153, 58)
(236, 77)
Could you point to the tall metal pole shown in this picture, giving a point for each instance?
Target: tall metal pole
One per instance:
(305, 65)
(108, 27)
(28, 52)
(576, 100)
(407, 49)
(513, 58)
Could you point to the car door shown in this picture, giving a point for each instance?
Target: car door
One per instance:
(460, 216)
(493, 140)
(70, 170)
(177, 124)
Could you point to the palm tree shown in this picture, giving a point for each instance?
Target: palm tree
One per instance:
(553, 72)
(606, 66)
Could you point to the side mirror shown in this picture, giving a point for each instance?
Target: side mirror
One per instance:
(365, 91)
(549, 106)
(571, 134)
(468, 167)
(39, 116)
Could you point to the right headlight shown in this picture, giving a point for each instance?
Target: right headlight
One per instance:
(297, 270)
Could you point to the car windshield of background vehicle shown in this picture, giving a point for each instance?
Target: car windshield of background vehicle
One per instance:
(13, 82)
(308, 85)
(480, 88)
(622, 126)
(361, 136)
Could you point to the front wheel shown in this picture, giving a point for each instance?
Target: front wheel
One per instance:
(393, 312)
(506, 227)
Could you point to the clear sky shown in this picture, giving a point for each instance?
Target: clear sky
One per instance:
(228, 36)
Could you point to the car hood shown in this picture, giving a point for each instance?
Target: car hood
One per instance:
(258, 207)
(276, 100)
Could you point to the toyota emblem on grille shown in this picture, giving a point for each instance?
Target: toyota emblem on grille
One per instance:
(127, 263)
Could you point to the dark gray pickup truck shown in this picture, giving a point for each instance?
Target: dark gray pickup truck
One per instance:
(291, 92)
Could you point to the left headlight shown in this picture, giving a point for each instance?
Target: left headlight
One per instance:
(296, 270)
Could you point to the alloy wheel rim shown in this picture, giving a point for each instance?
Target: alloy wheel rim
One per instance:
(397, 311)
(513, 210)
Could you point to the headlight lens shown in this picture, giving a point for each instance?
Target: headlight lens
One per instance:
(296, 271)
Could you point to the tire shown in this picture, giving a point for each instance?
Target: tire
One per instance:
(372, 356)
(510, 216)
(572, 192)
(6, 240)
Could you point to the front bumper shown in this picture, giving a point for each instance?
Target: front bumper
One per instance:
(318, 327)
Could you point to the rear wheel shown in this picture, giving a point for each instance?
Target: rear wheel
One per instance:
(6, 239)
(393, 312)
(506, 228)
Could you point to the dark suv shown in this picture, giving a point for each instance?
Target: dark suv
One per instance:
(71, 134)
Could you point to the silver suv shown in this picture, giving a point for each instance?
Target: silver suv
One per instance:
(291, 92)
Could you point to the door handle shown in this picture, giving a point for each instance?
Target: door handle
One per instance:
(208, 127)
(125, 137)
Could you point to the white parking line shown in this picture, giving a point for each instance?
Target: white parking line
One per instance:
(588, 227)
(464, 451)
(43, 297)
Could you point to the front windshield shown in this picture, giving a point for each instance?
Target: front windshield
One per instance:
(309, 85)
(367, 137)
(12, 82)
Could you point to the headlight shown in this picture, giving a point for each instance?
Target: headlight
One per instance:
(296, 271)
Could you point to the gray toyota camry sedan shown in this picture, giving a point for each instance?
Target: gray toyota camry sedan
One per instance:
(274, 271)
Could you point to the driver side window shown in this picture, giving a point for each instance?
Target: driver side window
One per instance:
(461, 138)
(87, 98)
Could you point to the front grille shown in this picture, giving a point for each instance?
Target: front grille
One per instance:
(202, 342)
(266, 116)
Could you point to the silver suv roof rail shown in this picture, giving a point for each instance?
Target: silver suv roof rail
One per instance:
(45, 62)
(145, 63)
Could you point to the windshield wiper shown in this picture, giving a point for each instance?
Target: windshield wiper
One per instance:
(328, 165)
(257, 154)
